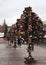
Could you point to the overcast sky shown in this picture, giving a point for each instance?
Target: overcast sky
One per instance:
(12, 9)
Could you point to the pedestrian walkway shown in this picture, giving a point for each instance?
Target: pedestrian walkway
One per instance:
(15, 56)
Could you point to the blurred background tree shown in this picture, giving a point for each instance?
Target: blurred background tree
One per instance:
(5, 29)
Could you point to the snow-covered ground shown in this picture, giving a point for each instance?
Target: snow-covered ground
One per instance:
(45, 36)
(1, 34)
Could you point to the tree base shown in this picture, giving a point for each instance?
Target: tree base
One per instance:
(29, 60)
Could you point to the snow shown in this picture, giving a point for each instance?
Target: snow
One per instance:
(1, 34)
(45, 36)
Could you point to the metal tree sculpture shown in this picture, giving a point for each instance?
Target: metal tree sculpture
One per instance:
(30, 28)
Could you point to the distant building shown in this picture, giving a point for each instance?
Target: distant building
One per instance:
(2, 27)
